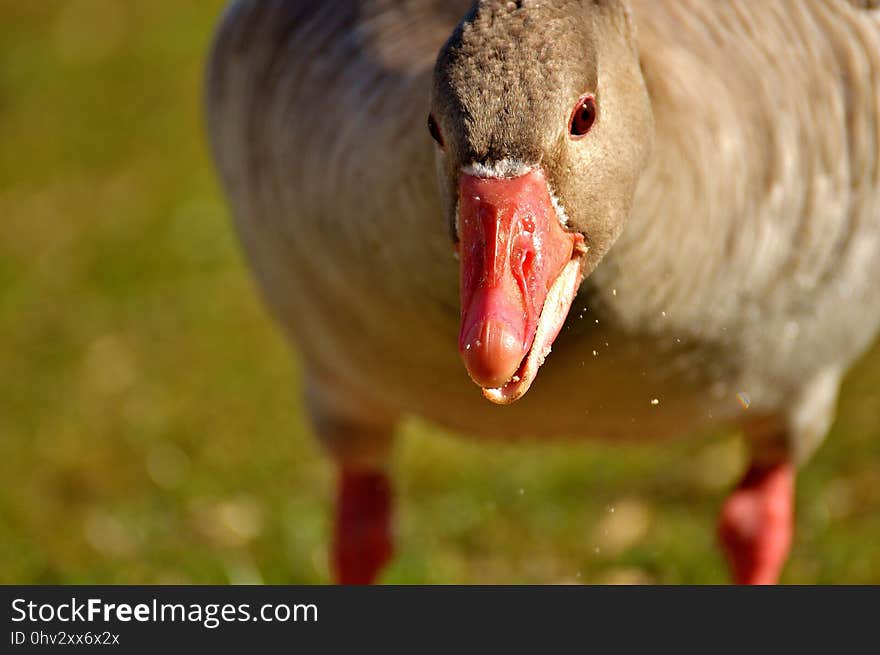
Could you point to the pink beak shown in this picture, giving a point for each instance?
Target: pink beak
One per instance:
(512, 249)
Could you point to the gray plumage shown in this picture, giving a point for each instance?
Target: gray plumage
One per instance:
(737, 254)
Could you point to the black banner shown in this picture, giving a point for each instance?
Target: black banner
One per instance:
(428, 619)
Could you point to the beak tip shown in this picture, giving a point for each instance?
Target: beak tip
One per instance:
(492, 351)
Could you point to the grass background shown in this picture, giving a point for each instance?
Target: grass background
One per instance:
(150, 423)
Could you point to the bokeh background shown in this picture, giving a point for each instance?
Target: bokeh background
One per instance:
(151, 428)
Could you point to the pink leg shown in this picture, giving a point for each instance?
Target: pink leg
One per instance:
(362, 542)
(756, 523)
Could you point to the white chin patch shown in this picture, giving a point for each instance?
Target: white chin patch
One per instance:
(553, 315)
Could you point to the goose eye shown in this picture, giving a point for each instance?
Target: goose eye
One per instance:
(583, 116)
(434, 129)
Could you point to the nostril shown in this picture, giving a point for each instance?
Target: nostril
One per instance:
(528, 263)
(526, 246)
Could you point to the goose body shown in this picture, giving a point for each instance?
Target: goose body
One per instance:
(740, 288)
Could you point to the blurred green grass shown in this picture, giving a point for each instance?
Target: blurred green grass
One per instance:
(150, 423)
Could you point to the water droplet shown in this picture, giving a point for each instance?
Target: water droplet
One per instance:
(744, 399)
(655, 401)
(595, 353)
(614, 292)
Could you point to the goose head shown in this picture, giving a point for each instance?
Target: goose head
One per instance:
(542, 126)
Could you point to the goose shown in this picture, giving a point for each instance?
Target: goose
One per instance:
(681, 198)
